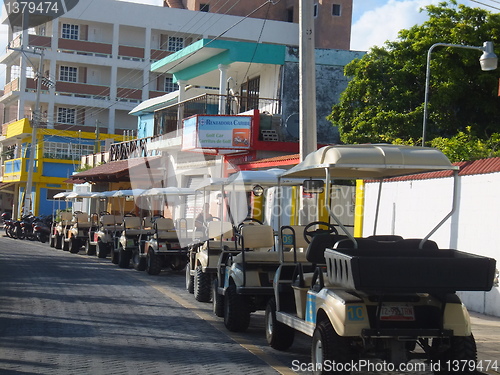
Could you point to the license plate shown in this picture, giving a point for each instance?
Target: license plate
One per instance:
(397, 312)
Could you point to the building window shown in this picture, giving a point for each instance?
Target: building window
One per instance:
(315, 10)
(289, 13)
(70, 31)
(67, 151)
(175, 44)
(336, 10)
(204, 7)
(170, 86)
(66, 115)
(68, 74)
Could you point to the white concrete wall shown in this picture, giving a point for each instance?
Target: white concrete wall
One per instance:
(412, 208)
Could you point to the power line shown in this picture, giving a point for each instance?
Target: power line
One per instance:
(488, 5)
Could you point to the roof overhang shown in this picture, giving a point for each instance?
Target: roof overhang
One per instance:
(199, 62)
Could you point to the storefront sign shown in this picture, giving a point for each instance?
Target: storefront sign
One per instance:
(217, 132)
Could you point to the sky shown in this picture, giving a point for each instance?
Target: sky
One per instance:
(374, 21)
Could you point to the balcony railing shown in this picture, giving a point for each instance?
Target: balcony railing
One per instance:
(167, 121)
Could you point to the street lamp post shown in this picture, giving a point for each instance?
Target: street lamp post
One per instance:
(488, 61)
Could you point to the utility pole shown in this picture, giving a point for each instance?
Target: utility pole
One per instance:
(307, 80)
(97, 136)
(28, 204)
(35, 122)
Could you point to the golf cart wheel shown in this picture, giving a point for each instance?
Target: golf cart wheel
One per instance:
(329, 348)
(74, 245)
(236, 311)
(101, 249)
(153, 263)
(52, 241)
(90, 249)
(202, 285)
(138, 261)
(278, 335)
(65, 244)
(461, 349)
(124, 258)
(189, 279)
(217, 300)
(58, 242)
(115, 256)
(177, 263)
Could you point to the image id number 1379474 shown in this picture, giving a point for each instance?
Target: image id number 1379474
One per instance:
(461, 365)
(32, 7)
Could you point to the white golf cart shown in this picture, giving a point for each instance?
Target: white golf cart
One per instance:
(166, 245)
(381, 297)
(245, 272)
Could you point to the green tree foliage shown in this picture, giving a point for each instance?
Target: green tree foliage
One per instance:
(384, 100)
(466, 146)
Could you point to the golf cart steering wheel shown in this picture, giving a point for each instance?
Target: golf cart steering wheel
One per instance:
(309, 234)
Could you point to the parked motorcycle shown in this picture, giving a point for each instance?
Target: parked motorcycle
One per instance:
(7, 223)
(41, 228)
(27, 227)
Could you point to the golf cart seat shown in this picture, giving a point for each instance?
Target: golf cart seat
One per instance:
(132, 226)
(220, 235)
(66, 218)
(293, 234)
(165, 229)
(258, 240)
(81, 220)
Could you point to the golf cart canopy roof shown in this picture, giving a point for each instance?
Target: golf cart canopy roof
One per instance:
(370, 161)
(62, 195)
(168, 191)
(79, 194)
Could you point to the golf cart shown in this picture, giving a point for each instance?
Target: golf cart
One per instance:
(206, 245)
(104, 234)
(62, 222)
(382, 297)
(166, 246)
(245, 273)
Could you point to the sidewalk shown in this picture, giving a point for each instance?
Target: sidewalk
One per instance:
(486, 331)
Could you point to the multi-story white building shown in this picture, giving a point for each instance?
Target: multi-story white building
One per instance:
(99, 54)
(98, 57)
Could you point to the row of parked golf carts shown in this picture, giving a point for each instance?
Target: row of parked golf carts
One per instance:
(380, 297)
(150, 243)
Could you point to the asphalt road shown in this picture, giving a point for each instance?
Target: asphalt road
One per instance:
(63, 313)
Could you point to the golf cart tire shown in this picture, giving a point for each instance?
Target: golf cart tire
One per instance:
(124, 258)
(65, 245)
(462, 349)
(102, 249)
(177, 263)
(189, 279)
(153, 263)
(278, 335)
(115, 256)
(217, 300)
(52, 241)
(138, 261)
(236, 310)
(58, 242)
(74, 246)
(90, 249)
(328, 347)
(202, 285)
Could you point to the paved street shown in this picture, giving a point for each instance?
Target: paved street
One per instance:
(62, 313)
